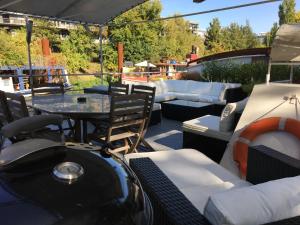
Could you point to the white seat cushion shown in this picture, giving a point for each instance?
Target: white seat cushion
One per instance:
(258, 204)
(207, 126)
(200, 88)
(156, 107)
(164, 97)
(186, 96)
(196, 176)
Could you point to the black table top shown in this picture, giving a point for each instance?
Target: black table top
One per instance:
(95, 104)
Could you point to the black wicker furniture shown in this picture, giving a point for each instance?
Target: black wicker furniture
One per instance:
(172, 207)
(182, 110)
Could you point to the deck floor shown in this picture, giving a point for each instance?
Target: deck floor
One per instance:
(165, 136)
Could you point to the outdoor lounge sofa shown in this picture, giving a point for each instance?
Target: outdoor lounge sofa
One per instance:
(187, 187)
(197, 98)
(183, 186)
(210, 134)
(210, 92)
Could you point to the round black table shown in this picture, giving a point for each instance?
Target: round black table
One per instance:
(70, 106)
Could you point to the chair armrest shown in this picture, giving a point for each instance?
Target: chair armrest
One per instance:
(265, 164)
(170, 206)
(30, 124)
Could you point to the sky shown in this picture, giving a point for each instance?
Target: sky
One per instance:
(261, 17)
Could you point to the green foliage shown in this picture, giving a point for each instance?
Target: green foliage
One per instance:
(79, 48)
(177, 40)
(233, 37)
(268, 40)
(140, 40)
(13, 49)
(213, 35)
(246, 74)
(287, 12)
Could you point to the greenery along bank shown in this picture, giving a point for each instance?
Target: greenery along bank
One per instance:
(78, 49)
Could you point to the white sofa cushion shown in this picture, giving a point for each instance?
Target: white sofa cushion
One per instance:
(164, 97)
(156, 107)
(217, 89)
(207, 126)
(257, 204)
(180, 86)
(200, 88)
(210, 99)
(186, 96)
(196, 176)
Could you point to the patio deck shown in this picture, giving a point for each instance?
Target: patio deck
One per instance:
(165, 136)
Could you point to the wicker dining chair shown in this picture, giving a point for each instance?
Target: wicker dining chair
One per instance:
(118, 89)
(127, 111)
(150, 92)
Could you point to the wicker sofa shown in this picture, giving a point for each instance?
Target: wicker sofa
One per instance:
(210, 92)
(170, 202)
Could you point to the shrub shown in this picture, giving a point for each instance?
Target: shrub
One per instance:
(246, 74)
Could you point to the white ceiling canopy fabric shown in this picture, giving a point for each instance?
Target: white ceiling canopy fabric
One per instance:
(82, 11)
(286, 46)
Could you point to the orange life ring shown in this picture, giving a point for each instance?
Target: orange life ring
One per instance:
(240, 149)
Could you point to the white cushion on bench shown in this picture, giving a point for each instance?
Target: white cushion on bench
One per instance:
(156, 107)
(257, 204)
(207, 126)
(196, 176)
(164, 97)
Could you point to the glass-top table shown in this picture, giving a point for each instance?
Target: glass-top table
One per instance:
(91, 105)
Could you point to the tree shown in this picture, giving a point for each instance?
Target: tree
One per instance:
(213, 35)
(13, 49)
(79, 48)
(287, 12)
(297, 17)
(235, 37)
(271, 35)
(177, 40)
(140, 39)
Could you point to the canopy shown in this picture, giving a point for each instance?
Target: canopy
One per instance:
(286, 46)
(145, 64)
(83, 11)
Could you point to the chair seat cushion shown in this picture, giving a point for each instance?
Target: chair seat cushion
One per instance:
(194, 174)
(186, 96)
(156, 107)
(164, 97)
(258, 204)
(207, 126)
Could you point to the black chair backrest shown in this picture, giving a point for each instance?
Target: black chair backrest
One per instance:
(118, 89)
(150, 92)
(127, 110)
(5, 114)
(17, 106)
(48, 88)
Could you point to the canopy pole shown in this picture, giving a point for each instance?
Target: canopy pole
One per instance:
(291, 74)
(101, 53)
(268, 76)
(29, 24)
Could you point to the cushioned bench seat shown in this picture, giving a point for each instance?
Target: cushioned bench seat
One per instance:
(208, 126)
(194, 174)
